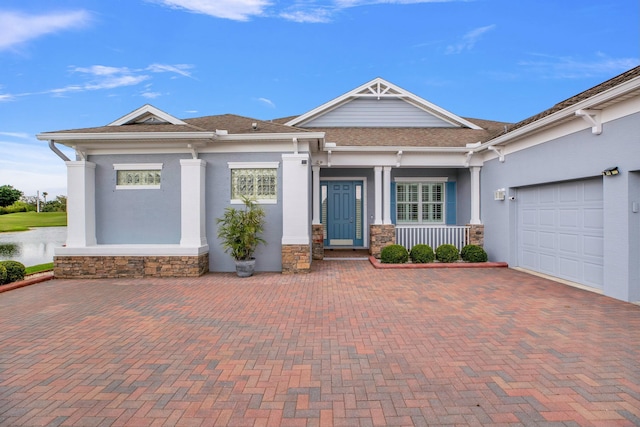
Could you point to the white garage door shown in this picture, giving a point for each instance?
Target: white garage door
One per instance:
(560, 230)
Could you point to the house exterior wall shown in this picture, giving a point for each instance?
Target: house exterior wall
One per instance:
(137, 216)
(373, 112)
(218, 196)
(577, 155)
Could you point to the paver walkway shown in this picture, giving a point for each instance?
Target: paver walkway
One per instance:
(345, 345)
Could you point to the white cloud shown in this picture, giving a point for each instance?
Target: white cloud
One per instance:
(567, 67)
(20, 135)
(237, 10)
(354, 3)
(151, 95)
(314, 16)
(18, 28)
(180, 69)
(469, 40)
(101, 77)
(267, 102)
(303, 11)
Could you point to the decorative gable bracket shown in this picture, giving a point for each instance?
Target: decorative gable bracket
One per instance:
(498, 151)
(594, 118)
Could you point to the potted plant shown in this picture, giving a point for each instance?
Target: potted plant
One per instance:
(239, 230)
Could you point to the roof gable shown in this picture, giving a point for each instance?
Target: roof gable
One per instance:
(147, 114)
(377, 100)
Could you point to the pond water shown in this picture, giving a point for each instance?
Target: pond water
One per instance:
(32, 247)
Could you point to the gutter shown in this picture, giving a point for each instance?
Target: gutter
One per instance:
(52, 146)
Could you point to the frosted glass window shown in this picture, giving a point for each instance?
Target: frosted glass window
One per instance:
(258, 184)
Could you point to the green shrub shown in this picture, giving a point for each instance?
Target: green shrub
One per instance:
(3, 275)
(15, 270)
(421, 254)
(447, 253)
(464, 250)
(474, 253)
(394, 254)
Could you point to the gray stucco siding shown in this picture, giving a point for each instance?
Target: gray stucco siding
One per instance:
(218, 197)
(578, 156)
(137, 216)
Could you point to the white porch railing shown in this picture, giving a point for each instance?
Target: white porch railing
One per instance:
(434, 236)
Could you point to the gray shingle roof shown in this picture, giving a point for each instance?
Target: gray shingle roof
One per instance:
(609, 84)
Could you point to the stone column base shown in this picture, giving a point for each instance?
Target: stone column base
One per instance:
(296, 259)
(112, 267)
(317, 236)
(380, 236)
(476, 234)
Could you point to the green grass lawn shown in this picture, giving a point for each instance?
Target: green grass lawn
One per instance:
(22, 221)
(39, 268)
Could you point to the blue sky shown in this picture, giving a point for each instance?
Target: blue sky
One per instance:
(69, 64)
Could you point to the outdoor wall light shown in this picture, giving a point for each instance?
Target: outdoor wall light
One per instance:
(611, 171)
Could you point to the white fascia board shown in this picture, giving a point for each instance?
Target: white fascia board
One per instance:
(395, 149)
(413, 160)
(270, 136)
(68, 136)
(147, 109)
(567, 113)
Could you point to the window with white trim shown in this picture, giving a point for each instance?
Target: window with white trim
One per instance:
(257, 181)
(420, 202)
(138, 176)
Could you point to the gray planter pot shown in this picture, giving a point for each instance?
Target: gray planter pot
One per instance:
(245, 268)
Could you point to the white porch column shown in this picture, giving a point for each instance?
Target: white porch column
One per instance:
(295, 199)
(315, 170)
(81, 204)
(377, 219)
(386, 182)
(192, 208)
(475, 195)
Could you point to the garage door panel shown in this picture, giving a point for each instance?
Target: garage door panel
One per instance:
(547, 196)
(568, 193)
(560, 230)
(568, 267)
(593, 246)
(529, 238)
(593, 191)
(529, 217)
(547, 217)
(547, 240)
(593, 218)
(568, 244)
(547, 264)
(593, 275)
(530, 260)
(568, 218)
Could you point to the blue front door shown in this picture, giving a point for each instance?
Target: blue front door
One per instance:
(342, 213)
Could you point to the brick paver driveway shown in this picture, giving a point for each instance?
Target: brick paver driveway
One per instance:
(344, 345)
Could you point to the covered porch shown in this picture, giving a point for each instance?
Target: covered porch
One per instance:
(373, 214)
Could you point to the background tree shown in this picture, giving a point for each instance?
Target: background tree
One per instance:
(9, 195)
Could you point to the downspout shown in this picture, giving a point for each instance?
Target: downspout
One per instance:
(52, 146)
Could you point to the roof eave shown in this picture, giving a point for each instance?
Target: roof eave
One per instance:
(114, 136)
(566, 113)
